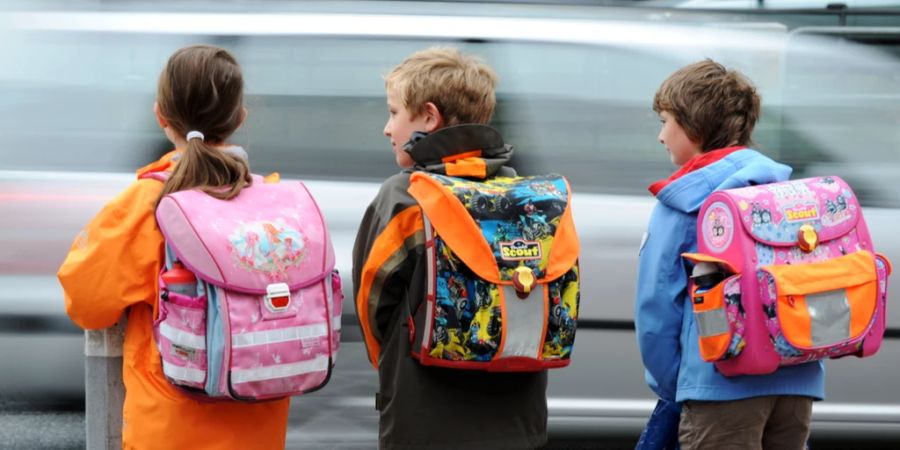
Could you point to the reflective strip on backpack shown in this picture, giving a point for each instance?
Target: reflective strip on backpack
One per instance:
(524, 322)
(329, 298)
(278, 335)
(318, 364)
(183, 373)
(712, 322)
(429, 263)
(181, 337)
(829, 313)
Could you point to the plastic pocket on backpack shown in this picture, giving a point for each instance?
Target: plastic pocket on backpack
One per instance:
(719, 319)
(717, 310)
(182, 337)
(824, 304)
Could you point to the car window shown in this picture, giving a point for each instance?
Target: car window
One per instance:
(583, 109)
(841, 113)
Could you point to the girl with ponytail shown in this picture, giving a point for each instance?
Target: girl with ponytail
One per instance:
(113, 265)
(199, 104)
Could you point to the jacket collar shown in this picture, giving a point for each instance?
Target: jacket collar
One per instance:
(696, 163)
(167, 161)
(470, 151)
(738, 169)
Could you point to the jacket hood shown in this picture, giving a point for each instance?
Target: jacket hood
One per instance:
(741, 168)
(470, 150)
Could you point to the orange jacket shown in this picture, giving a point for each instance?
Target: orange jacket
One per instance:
(112, 268)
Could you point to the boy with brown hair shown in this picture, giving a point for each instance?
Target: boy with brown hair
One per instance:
(708, 114)
(438, 102)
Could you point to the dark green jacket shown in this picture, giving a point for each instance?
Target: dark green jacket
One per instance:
(430, 407)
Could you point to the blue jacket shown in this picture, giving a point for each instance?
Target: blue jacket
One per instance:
(666, 333)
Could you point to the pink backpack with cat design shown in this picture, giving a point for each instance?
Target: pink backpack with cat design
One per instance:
(802, 280)
(263, 319)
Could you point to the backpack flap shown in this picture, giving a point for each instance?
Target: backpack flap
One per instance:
(250, 242)
(496, 226)
(774, 214)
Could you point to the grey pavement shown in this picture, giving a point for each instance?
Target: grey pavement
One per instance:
(44, 430)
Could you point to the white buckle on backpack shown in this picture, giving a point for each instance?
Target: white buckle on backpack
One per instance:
(278, 297)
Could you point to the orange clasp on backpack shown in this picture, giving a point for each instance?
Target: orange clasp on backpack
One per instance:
(807, 238)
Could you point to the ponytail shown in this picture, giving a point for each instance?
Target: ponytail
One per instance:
(202, 88)
(213, 171)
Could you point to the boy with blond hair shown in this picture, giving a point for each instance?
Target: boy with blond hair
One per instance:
(439, 101)
(708, 114)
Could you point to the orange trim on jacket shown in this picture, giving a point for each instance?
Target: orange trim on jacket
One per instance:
(389, 243)
(112, 269)
(466, 164)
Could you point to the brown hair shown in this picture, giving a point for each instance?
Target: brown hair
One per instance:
(715, 106)
(460, 85)
(202, 89)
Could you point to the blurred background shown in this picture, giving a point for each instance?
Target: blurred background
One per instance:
(577, 79)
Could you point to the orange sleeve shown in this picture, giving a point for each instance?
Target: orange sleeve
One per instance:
(114, 261)
(387, 253)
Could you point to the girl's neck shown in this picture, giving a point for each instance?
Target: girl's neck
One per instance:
(234, 150)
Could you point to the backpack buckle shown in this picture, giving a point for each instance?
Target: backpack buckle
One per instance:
(523, 280)
(278, 297)
(807, 238)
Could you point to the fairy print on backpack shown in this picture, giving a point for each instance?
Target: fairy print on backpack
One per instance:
(802, 280)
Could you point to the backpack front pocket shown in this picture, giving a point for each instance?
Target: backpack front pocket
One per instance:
(821, 309)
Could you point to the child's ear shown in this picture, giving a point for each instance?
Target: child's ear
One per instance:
(159, 118)
(244, 113)
(434, 120)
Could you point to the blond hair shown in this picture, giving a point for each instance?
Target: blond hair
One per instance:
(715, 106)
(460, 85)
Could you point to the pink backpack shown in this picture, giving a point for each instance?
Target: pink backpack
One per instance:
(802, 281)
(263, 319)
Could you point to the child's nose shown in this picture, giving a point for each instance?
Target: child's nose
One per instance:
(387, 129)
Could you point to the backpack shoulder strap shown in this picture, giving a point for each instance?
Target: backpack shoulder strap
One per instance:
(161, 175)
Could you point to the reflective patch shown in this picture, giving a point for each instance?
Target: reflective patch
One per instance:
(524, 321)
(829, 313)
(81, 241)
(712, 322)
(182, 338)
(318, 364)
(278, 335)
(184, 373)
(429, 264)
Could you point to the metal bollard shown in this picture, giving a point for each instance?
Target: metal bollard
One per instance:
(104, 391)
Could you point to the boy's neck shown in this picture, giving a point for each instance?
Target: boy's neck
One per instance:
(696, 163)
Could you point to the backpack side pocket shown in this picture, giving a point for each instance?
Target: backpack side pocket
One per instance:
(719, 315)
(181, 338)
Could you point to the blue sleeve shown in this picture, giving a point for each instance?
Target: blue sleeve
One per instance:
(661, 289)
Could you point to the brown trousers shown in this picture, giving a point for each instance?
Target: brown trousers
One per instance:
(770, 423)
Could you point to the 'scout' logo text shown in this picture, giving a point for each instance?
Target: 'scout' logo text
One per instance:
(520, 249)
(801, 212)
